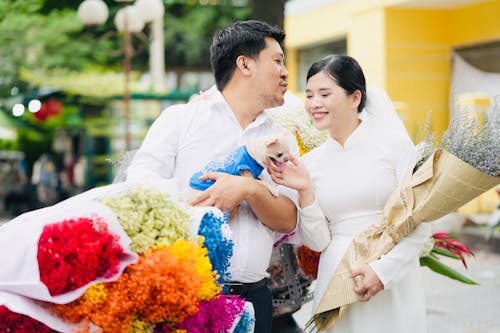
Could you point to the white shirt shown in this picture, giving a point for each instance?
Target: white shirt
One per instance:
(183, 140)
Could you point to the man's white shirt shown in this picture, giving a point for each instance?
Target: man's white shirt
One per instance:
(183, 140)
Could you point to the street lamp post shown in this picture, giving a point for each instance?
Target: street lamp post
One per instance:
(127, 65)
(129, 20)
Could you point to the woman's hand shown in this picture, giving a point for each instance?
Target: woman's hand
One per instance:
(370, 284)
(296, 176)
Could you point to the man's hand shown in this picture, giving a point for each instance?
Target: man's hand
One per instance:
(226, 193)
(370, 284)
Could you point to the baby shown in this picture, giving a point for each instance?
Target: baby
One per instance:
(248, 161)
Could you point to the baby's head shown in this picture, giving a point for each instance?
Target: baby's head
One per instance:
(270, 149)
(277, 150)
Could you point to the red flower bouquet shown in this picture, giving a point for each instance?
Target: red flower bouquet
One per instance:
(75, 252)
(19, 323)
(308, 261)
(53, 254)
(23, 315)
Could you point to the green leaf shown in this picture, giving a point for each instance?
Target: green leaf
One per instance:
(440, 268)
(433, 255)
(444, 252)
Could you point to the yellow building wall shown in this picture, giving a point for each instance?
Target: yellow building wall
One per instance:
(405, 50)
(312, 28)
(292, 64)
(469, 26)
(418, 54)
(317, 26)
(369, 52)
(475, 24)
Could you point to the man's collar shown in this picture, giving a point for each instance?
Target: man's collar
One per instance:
(215, 98)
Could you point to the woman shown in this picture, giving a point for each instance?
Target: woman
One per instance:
(346, 182)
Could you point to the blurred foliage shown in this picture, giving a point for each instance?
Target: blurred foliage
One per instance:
(32, 39)
(272, 12)
(8, 145)
(44, 45)
(189, 29)
(47, 34)
(93, 82)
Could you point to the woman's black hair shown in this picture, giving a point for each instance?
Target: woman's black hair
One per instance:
(345, 71)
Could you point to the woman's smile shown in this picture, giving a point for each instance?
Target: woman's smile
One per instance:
(318, 115)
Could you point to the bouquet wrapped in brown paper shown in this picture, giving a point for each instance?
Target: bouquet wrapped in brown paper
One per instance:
(447, 180)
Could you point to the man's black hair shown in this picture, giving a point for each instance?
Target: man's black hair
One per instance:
(240, 38)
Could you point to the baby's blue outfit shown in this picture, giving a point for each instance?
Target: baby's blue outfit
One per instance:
(232, 163)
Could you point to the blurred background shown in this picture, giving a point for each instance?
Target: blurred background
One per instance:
(82, 80)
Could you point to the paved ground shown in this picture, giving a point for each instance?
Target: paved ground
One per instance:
(453, 307)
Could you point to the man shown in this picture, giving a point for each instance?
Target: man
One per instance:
(250, 75)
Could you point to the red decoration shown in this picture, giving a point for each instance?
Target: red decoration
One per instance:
(18, 323)
(444, 241)
(50, 107)
(308, 261)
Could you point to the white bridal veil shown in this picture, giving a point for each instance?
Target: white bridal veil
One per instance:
(380, 112)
